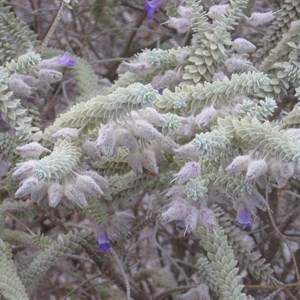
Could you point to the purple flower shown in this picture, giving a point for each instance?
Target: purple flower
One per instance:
(244, 218)
(103, 242)
(66, 60)
(151, 7)
(160, 90)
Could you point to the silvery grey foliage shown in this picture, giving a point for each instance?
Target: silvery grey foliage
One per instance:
(178, 179)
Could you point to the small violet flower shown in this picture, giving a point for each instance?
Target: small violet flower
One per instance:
(244, 218)
(151, 7)
(65, 60)
(159, 90)
(103, 242)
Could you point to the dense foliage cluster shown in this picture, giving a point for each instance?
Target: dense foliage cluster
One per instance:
(170, 171)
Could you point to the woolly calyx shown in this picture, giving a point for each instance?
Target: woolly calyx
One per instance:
(100, 180)
(87, 185)
(207, 218)
(239, 164)
(181, 25)
(217, 12)
(185, 12)
(281, 172)
(55, 194)
(134, 160)
(107, 141)
(242, 46)
(218, 194)
(143, 129)
(74, 195)
(206, 116)
(260, 18)
(186, 151)
(191, 219)
(256, 168)
(149, 162)
(65, 132)
(24, 169)
(126, 139)
(89, 148)
(219, 76)
(31, 150)
(236, 64)
(257, 200)
(140, 68)
(175, 211)
(190, 170)
(151, 115)
(28, 185)
(49, 76)
(19, 87)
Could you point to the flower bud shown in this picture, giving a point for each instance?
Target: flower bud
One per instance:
(152, 116)
(191, 219)
(49, 76)
(256, 168)
(219, 76)
(74, 195)
(185, 11)
(100, 180)
(149, 161)
(55, 194)
(31, 150)
(126, 139)
(190, 170)
(182, 56)
(207, 218)
(134, 67)
(175, 211)
(237, 64)
(206, 116)
(260, 18)
(145, 130)
(281, 172)
(65, 132)
(28, 185)
(89, 148)
(186, 151)
(134, 161)
(107, 141)
(87, 184)
(241, 45)
(19, 87)
(24, 169)
(217, 12)
(258, 200)
(182, 25)
(239, 164)
(39, 194)
(218, 194)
